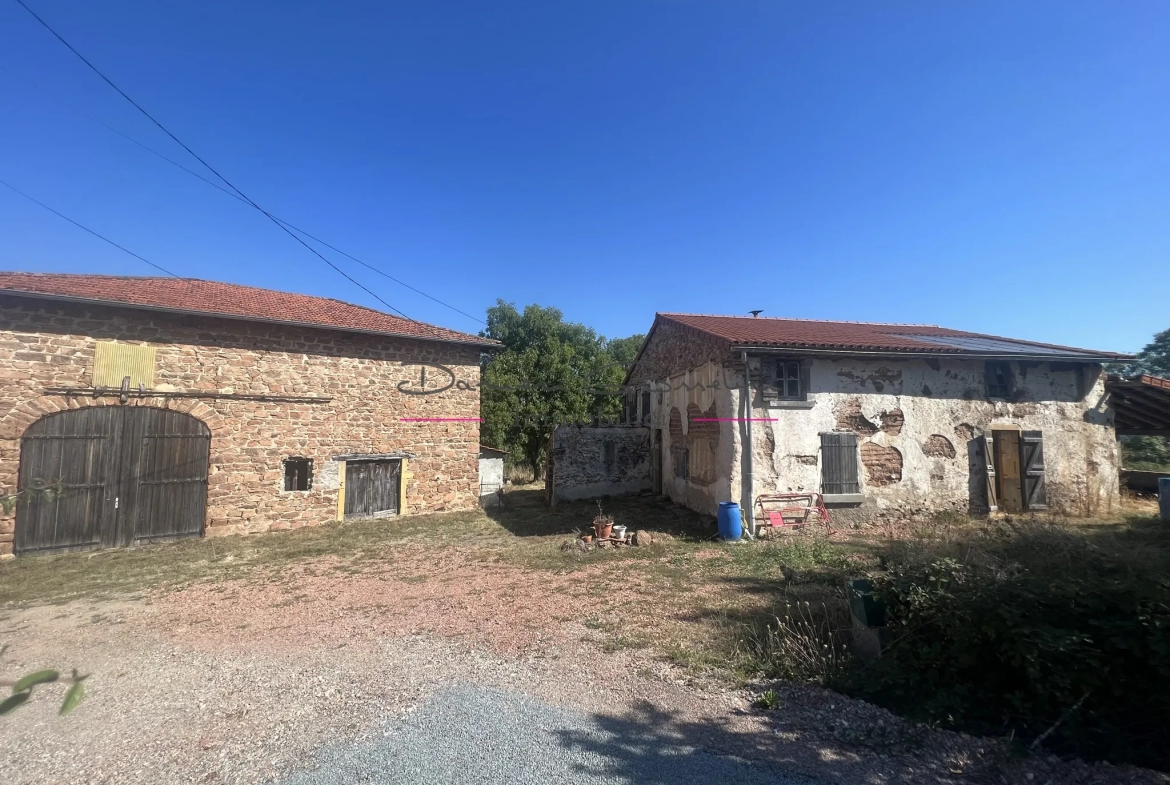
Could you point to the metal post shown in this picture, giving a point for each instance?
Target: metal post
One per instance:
(1164, 497)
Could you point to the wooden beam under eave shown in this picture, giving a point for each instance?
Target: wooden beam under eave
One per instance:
(1129, 415)
(1148, 416)
(1152, 398)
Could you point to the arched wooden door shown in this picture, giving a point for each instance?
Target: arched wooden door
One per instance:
(111, 476)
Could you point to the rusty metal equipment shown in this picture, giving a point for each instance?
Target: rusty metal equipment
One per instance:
(792, 511)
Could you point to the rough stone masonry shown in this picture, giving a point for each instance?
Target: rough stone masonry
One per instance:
(47, 344)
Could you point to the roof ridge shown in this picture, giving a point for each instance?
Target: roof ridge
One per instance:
(229, 300)
(796, 319)
(108, 275)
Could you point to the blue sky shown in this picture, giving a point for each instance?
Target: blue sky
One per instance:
(993, 166)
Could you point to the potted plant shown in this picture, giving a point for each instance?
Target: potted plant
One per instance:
(602, 524)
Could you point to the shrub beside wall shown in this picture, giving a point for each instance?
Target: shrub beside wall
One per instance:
(1037, 630)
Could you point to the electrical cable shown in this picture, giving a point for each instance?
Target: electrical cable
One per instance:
(212, 169)
(86, 228)
(216, 185)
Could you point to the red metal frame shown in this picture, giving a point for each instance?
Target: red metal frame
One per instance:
(777, 509)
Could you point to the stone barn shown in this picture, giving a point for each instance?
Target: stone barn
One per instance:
(135, 410)
(884, 420)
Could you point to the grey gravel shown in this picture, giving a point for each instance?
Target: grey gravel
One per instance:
(471, 734)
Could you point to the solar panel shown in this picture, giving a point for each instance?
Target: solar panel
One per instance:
(994, 345)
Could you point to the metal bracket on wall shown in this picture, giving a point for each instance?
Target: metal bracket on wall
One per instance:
(124, 393)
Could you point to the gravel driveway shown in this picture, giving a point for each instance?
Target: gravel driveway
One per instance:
(482, 672)
(471, 734)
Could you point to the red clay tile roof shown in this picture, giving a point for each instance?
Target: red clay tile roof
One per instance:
(212, 298)
(744, 331)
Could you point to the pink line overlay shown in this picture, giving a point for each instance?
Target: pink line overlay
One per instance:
(733, 419)
(440, 419)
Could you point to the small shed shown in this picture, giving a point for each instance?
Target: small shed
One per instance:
(491, 475)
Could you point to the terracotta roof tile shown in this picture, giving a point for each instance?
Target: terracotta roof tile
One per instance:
(233, 301)
(868, 337)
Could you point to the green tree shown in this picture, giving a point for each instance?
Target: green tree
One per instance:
(548, 370)
(623, 351)
(1154, 359)
(1148, 452)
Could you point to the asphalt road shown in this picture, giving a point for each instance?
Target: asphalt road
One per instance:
(471, 734)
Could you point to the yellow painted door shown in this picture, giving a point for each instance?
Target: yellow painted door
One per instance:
(1011, 498)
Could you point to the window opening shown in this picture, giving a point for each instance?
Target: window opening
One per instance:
(998, 375)
(298, 474)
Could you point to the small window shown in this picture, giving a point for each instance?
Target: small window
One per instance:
(298, 474)
(646, 408)
(998, 376)
(784, 380)
(839, 463)
(679, 458)
(609, 455)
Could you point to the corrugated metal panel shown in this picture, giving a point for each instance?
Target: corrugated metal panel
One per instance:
(113, 362)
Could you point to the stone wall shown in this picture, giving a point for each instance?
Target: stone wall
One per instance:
(918, 423)
(45, 344)
(672, 348)
(590, 462)
(710, 446)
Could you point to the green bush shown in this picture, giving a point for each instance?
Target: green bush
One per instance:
(1046, 632)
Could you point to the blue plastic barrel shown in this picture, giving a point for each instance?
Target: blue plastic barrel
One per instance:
(730, 527)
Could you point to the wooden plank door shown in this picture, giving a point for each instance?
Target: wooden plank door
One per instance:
(1032, 464)
(371, 487)
(165, 457)
(1011, 497)
(988, 442)
(68, 482)
(116, 475)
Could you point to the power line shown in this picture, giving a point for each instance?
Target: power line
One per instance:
(86, 228)
(216, 185)
(212, 169)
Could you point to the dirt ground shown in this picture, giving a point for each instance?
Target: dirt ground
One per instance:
(237, 670)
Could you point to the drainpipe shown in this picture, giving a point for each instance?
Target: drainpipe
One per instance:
(746, 481)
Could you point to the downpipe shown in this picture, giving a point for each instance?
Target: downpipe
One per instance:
(746, 505)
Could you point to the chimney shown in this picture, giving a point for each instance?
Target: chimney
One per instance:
(756, 313)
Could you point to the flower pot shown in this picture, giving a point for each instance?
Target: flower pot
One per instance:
(602, 530)
(586, 538)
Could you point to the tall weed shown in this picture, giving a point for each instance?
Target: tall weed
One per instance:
(805, 643)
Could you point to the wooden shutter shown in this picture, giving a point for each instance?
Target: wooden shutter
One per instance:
(1032, 470)
(988, 443)
(839, 463)
(768, 389)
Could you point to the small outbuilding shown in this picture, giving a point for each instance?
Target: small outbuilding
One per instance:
(491, 476)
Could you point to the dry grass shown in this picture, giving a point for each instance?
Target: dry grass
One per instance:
(696, 600)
